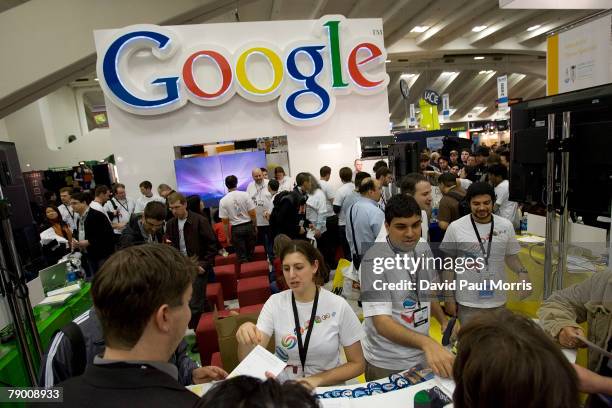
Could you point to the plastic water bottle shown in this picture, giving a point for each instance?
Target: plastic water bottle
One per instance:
(71, 274)
(434, 215)
(523, 226)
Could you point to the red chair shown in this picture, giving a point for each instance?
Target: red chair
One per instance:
(225, 260)
(214, 294)
(259, 254)
(216, 360)
(206, 336)
(253, 291)
(251, 269)
(226, 275)
(280, 278)
(251, 309)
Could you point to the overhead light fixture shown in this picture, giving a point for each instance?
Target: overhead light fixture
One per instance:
(535, 27)
(479, 28)
(477, 107)
(449, 73)
(419, 29)
(487, 71)
(387, 61)
(479, 57)
(96, 79)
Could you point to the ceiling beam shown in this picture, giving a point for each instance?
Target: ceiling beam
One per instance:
(483, 82)
(464, 10)
(275, 11)
(542, 18)
(529, 36)
(394, 11)
(357, 8)
(537, 90)
(478, 17)
(507, 21)
(318, 9)
(418, 18)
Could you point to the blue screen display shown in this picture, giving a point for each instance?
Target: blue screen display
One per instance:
(205, 176)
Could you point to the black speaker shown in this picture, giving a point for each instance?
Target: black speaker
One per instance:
(102, 175)
(403, 158)
(13, 186)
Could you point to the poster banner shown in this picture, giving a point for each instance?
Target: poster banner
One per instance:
(412, 120)
(445, 106)
(580, 57)
(502, 92)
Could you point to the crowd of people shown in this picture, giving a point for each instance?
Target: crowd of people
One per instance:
(150, 259)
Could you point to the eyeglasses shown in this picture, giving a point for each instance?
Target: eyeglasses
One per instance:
(156, 226)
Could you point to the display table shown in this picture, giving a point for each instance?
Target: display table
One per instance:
(49, 319)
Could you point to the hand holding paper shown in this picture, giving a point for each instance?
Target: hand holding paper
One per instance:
(257, 363)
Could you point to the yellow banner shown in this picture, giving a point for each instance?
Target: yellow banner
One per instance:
(429, 115)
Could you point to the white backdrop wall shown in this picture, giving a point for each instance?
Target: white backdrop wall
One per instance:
(143, 145)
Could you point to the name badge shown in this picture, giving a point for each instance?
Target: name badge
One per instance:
(421, 316)
(487, 292)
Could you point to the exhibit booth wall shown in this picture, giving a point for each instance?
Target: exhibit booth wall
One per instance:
(143, 144)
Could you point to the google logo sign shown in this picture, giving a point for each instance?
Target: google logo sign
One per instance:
(305, 77)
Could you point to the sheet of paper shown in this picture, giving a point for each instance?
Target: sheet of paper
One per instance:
(257, 363)
(594, 346)
(67, 289)
(531, 239)
(201, 389)
(53, 300)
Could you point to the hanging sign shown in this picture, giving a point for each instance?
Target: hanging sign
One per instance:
(445, 106)
(502, 92)
(431, 97)
(412, 120)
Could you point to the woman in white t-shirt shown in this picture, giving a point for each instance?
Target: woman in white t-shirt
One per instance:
(312, 353)
(316, 208)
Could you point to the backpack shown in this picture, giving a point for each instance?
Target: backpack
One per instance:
(464, 206)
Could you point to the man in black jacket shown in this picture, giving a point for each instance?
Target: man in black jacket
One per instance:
(149, 227)
(94, 237)
(192, 235)
(288, 214)
(141, 297)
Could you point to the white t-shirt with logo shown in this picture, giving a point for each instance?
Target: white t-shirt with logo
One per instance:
(125, 208)
(344, 191)
(403, 306)
(285, 185)
(330, 194)
(261, 197)
(336, 325)
(507, 209)
(316, 209)
(236, 206)
(460, 240)
(142, 201)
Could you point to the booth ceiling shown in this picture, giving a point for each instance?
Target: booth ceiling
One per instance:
(451, 46)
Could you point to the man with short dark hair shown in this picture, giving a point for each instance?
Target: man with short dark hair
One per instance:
(94, 235)
(347, 188)
(443, 164)
(285, 182)
(378, 165)
(465, 153)
(384, 177)
(329, 238)
(193, 236)
(149, 227)
(364, 219)
(238, 210)
(504, 157)
(69, 216)
(164, 190)
(479, 172)
(490, 242)
(141, 297)
(264, 171)
(101, 196)
(397, 321)
(449, 210)
(498, 177)
(146, 189)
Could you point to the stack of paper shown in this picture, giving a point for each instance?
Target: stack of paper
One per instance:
(257, 363)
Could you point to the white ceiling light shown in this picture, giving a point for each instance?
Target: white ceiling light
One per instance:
(449, 73)
(479, 28)
(488, 71)
(96, 79)
(387, 61)
(419, 29)
(479, 57)
(535, 27)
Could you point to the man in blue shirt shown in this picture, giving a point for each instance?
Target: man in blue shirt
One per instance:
(364, 218)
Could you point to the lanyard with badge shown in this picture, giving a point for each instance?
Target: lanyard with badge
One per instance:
(303, 347)
(420, 315)
(487, 292)
(69, 213)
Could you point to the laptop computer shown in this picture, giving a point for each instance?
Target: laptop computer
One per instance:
(54, 276)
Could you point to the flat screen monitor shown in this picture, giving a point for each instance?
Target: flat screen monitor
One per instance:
(205, 176)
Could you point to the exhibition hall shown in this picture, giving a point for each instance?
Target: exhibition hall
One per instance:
(306, 203)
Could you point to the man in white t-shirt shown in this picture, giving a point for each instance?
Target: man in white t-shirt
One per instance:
(397, 320)
(329, 239)
(415, 185)
(498, 177)
(238, 210)
(258, 191)
(68, 215)
(285, 182)
(122, 208)
(146, 189)
(489, 242)
(347, 188)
